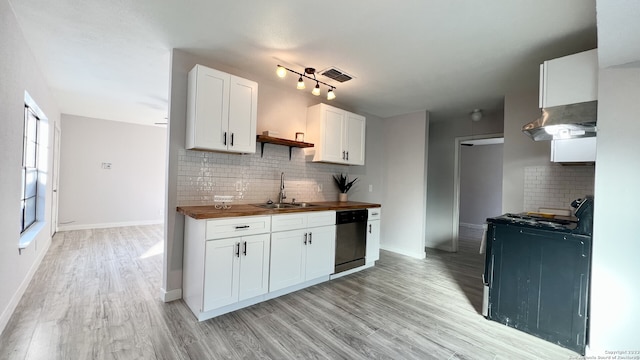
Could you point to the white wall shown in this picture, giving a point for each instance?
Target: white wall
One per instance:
(519, 150)
(130, 193)
(480, 183)
(440, 182)
(18, 72)
(403, 226)
(615, 292)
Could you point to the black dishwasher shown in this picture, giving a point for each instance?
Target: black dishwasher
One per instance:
(351, 239)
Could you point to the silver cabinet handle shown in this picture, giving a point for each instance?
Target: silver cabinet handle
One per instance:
(224, 141)
(231, 139)
(242, 227)
(369, 228)
(305, 238)
(347, 155)
(237, 249)
(245, 249)
(310, 234)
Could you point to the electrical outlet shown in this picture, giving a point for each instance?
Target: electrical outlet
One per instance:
(370, 188)
(319, 187)
(106, 165)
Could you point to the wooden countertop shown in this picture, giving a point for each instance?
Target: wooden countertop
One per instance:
(210, 212)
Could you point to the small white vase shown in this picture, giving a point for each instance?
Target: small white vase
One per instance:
(342, 197)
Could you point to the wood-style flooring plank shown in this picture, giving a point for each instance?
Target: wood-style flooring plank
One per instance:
(95, 297)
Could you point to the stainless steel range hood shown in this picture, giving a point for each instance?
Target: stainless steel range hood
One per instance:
(564, 122)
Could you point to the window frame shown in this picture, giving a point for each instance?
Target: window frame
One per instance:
(30, 154)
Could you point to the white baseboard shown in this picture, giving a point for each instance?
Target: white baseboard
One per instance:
(15, 299)
(417, 255)
(108, 225)
(171, 295)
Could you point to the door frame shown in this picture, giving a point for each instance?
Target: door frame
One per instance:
(55, 178)
(456, 182)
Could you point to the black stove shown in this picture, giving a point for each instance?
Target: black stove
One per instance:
(535, 222)
(583, 225)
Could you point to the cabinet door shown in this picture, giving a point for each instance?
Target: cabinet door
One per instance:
(570, 79)
(333, 135)
(254, 266)
(355, 138)
(221, 271)
(320, 251)
(243, 105)
(287, 266)
(574, 150)
(373, 241)
(208, 108)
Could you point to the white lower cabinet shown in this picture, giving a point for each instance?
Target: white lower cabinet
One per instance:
(235, 269)
(373, 236)
(304, 253)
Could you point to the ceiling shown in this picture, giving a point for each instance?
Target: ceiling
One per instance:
(111, 59)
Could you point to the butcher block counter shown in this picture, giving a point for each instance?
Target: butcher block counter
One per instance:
(210, 212)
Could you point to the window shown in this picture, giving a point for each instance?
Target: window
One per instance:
(29, 198)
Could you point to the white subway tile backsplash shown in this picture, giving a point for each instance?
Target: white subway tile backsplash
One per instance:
(251, 178)
(555, 186)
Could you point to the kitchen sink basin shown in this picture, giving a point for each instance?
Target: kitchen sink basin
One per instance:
(285, 205)
(303, 204)
(275, 206)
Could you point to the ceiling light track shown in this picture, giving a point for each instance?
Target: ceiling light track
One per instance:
(308, 73)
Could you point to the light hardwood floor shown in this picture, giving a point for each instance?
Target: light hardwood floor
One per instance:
(95, 296)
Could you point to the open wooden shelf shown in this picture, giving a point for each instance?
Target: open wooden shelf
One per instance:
(263, 139)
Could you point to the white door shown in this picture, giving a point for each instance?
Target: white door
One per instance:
(243, 107)
(254, 266)
(55, 179)
(373, 241)
(287, 255)
(221, 271)
(355, 138)
(211, 109)
(332, 148)
(320, 253)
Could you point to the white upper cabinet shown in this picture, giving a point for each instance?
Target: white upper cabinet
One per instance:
(574, 150)
(569, 80)
(338, 135)
(221, 111)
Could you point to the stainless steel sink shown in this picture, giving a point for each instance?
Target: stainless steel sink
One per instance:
(276, 206)
(285, 205)
(303, 204)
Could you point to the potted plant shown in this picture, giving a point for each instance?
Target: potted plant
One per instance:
(344, 185)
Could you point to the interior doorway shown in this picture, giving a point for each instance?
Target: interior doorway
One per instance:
(477, 183)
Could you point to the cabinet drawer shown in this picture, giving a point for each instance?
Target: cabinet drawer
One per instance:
(289, 221)
(374, 213)
(321, 218)
(232, 227)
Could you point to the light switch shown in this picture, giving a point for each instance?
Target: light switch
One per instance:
(370, 187)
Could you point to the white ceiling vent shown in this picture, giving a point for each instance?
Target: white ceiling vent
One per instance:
(336, 74)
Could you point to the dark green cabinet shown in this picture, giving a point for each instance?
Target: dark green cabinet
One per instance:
(539, 282)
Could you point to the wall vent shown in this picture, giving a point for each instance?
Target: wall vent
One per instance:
(336, 74)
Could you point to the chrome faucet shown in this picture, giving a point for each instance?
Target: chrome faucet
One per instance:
(281, 195)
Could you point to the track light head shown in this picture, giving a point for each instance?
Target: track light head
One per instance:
(281, 71)
(316, 90)
(330, 94)
(300, 83)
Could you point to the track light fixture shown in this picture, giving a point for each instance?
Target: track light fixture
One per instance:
(281, 71)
